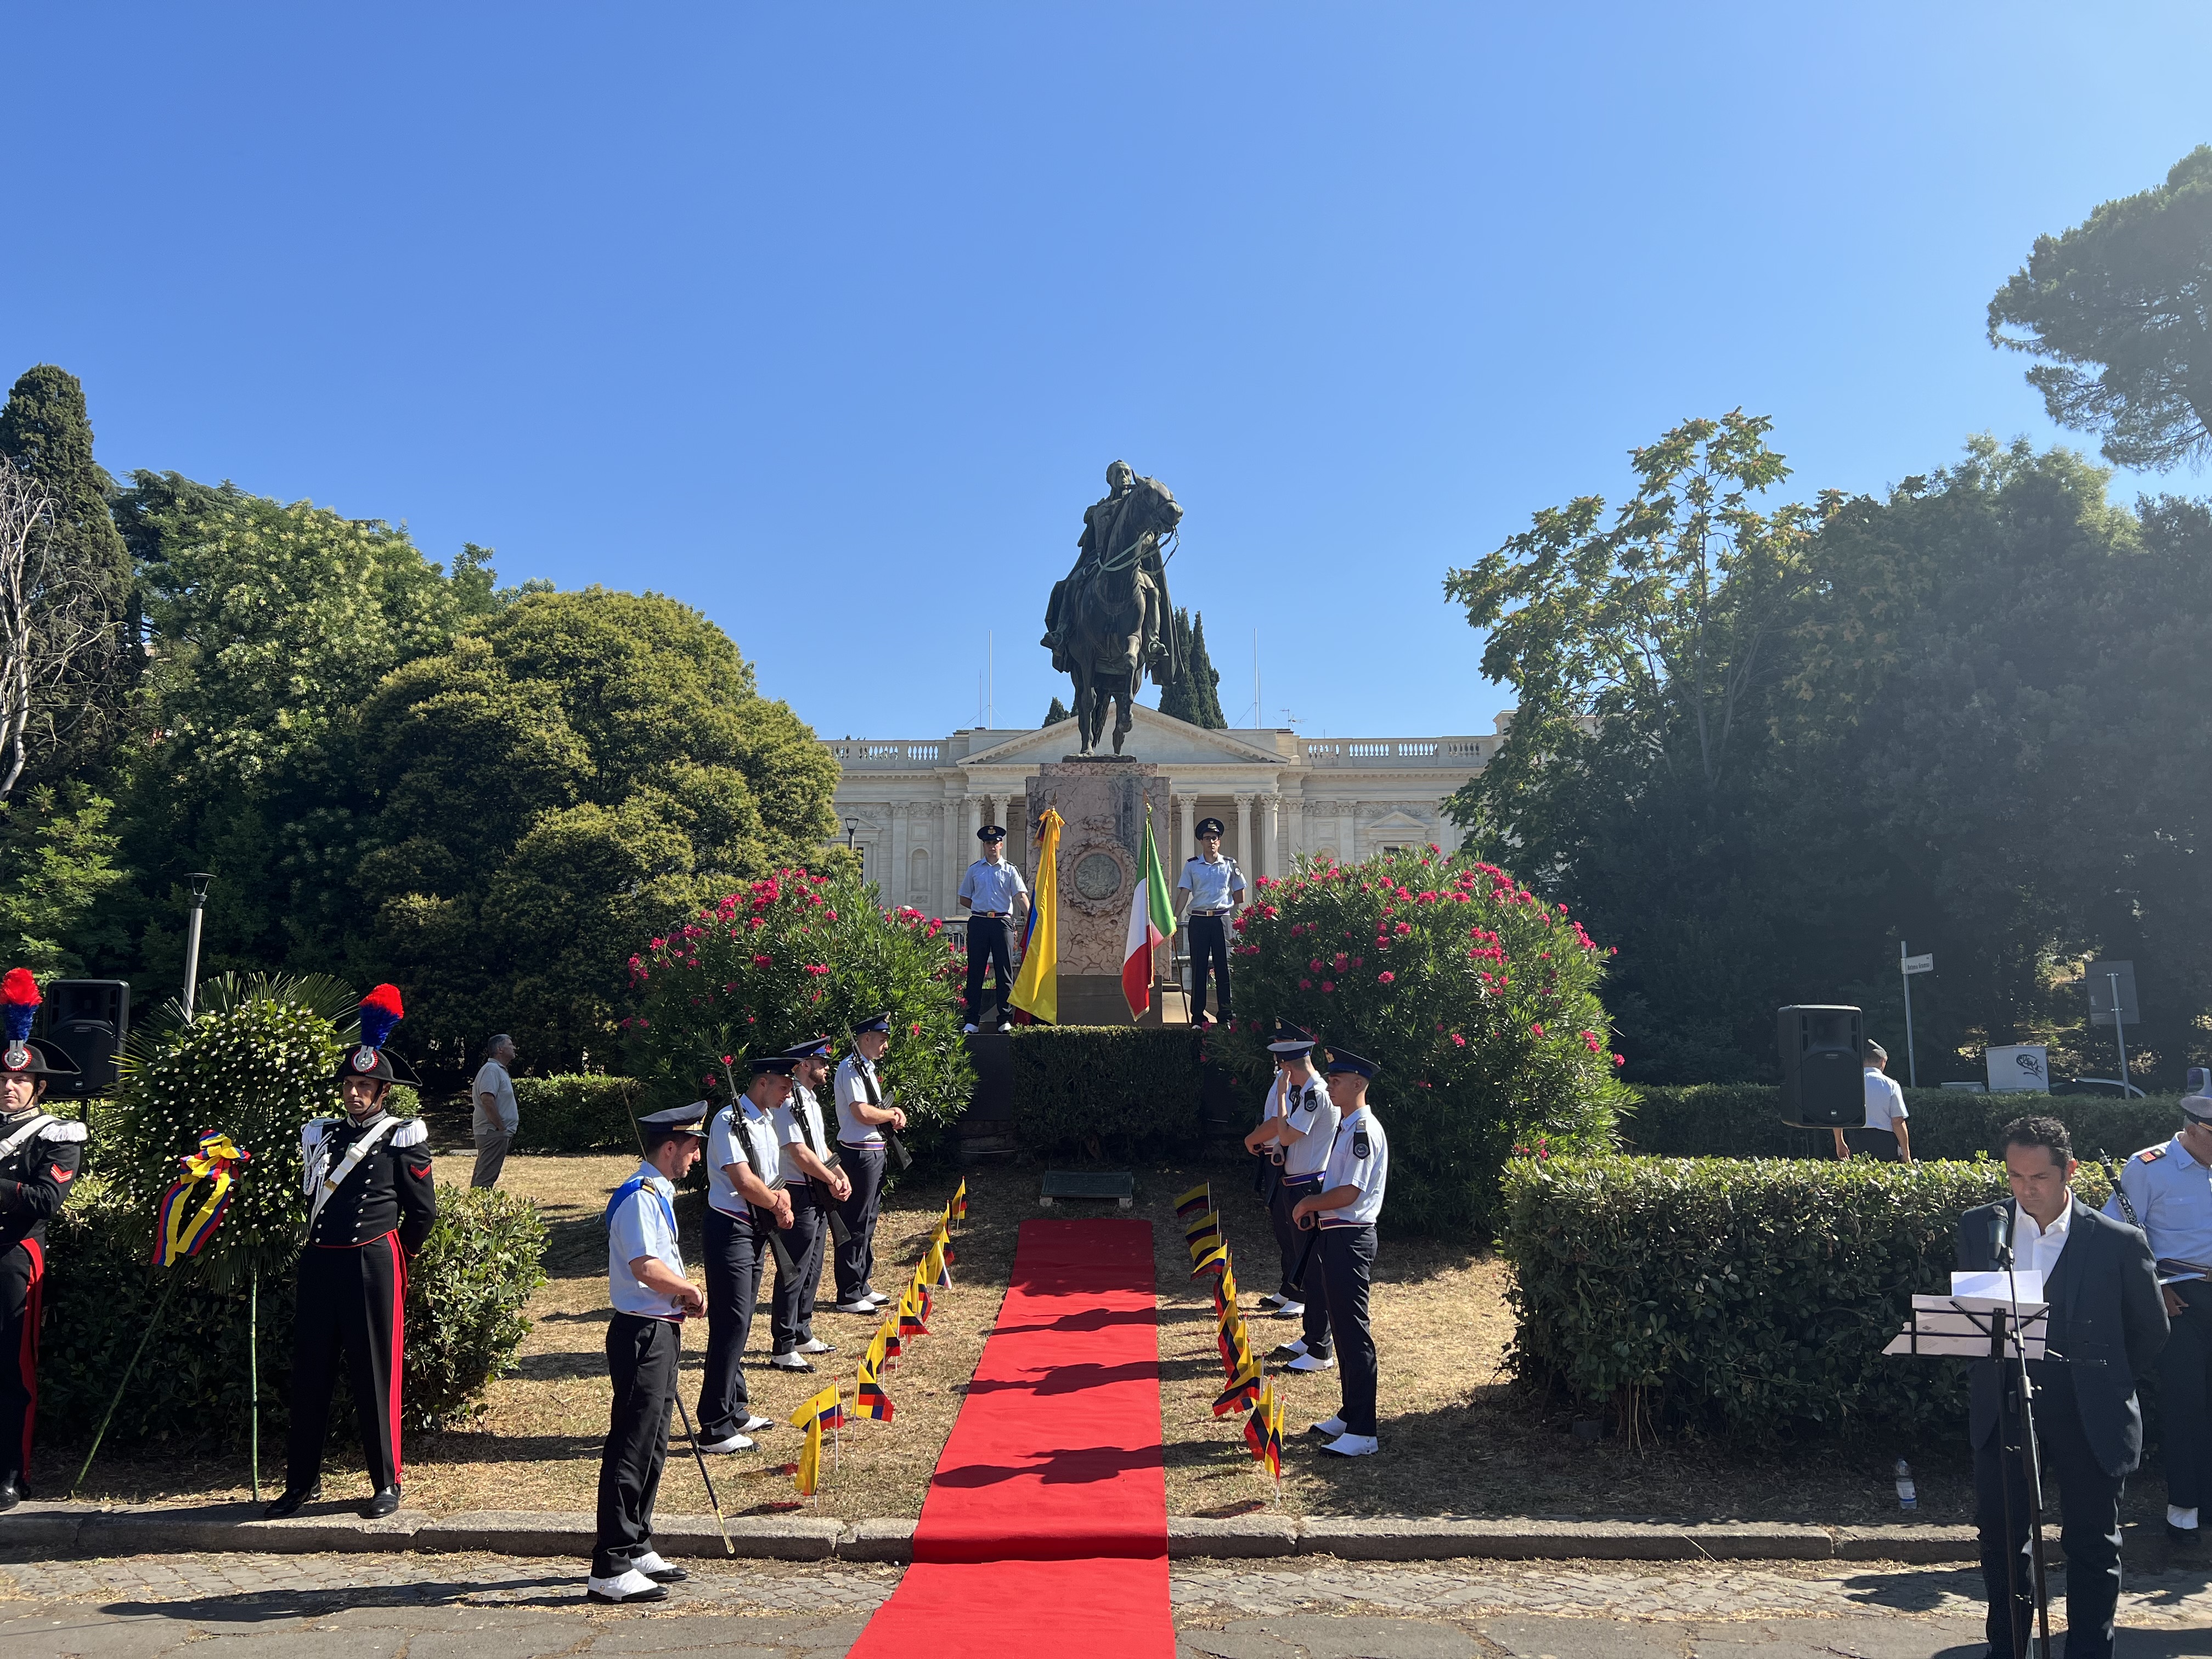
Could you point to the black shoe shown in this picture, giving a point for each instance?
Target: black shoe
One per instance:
(287, 1504)
(385, 1502)
(669, 1576)
(2180, 1537)
(11, 1492)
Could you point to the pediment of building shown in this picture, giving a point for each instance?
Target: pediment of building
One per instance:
(1159, 738)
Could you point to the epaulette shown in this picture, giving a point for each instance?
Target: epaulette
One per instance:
(315, 1128)
(2152, 1154)
(413, 1133)
(63, 1129)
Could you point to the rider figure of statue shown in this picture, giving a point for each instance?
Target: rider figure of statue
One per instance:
(1114, 529)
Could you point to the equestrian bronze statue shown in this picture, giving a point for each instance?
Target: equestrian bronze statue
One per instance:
(1109, 623)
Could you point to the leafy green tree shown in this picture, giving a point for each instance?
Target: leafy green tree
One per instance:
(2117, 309)
(81, 590)
(566, 777)
(59, 855)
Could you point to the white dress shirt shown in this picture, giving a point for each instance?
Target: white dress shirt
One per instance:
(2037, 1247)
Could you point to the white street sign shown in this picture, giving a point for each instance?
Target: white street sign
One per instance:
(1920, 965)
(2019, 1068)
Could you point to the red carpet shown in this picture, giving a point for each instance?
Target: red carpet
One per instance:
(1045, 1531)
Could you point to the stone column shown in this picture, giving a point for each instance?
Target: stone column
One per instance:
(1271, 826)
(1348, 841)
(893, 885)
(966, 853)
(1245, 850)
(1187, 830)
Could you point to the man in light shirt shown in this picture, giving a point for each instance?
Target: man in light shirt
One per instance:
(2108, 1322)
(495, 1117)
(1885, 1137)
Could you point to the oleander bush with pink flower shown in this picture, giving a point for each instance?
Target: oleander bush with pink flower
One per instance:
(1479, 999)
(797, 955)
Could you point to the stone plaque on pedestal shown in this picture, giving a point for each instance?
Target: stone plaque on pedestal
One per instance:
(1102, 801)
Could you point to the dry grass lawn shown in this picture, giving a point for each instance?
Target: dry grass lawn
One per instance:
(1458, 1440)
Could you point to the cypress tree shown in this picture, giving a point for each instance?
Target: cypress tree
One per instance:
(1204, 682)
(45, 430)
(1057, 713)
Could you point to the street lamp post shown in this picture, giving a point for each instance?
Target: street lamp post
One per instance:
(199, 879)
(851, 825)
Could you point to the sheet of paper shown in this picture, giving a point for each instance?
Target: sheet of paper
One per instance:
(2000, 1286)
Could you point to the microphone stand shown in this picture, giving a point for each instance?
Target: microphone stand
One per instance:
(2026, 1393)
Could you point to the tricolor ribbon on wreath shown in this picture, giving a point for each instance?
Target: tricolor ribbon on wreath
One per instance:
(180, 1230)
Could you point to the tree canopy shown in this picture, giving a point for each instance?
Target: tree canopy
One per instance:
(1959, 729)
(2120, 308)
(1193, 693)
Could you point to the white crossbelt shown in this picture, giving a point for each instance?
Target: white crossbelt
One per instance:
(360, 1150)
(38, 1120)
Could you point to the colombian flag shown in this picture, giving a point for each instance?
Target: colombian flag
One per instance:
(1255, 1422)
(869, 1399)
(1036, 987)
(1196, 1202)
(1242, 1387)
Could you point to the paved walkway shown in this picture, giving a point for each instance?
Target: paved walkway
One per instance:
(475, 1606)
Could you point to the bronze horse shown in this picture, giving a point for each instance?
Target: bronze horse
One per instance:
(1110, 621)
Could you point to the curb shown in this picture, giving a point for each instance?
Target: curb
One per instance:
(93, 1529)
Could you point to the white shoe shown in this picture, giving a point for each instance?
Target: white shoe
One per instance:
(969, 1028)
(789, 1361)
(1288, 1350)
(1352, 1445)
(1290, 1310)
(1306, 1363)
(755, 1425)
(1328, 1428)
(861, 1306)
(878, 1298)
(736, 1442)
(1268, 1302)
(629, 1586)
(1005, 1025)
(657, 1570)
(815, 1344)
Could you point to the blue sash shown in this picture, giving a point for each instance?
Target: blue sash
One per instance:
(637, 1184)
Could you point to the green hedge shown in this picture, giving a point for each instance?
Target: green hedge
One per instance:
(576, 1113)
(465, 1294)
(1131, 1089)
(1742, 1119)
(1746, 1299)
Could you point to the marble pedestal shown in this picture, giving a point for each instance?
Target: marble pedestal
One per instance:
(1102, 799)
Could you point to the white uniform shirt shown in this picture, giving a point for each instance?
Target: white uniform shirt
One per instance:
(1210, 882)
(1314, 1115)
(852, 1090)
(1884, 1101)
(2172, 1193)
(492, 1079)
(645, 1225)
(734, 1130)
(2037, 1247)
(1347, 1168)
(988, 886)
(798, 1123)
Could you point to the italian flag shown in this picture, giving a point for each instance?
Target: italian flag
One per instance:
(1152, 924)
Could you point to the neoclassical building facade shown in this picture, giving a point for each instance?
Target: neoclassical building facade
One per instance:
(911, 806)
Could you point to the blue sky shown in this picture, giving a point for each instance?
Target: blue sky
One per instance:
(828, 320)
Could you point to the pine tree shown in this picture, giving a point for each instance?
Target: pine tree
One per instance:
(1057, 713)
(83, 564)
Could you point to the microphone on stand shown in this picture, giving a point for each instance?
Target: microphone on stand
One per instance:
(2000, 1235)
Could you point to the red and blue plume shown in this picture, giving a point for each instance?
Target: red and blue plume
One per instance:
(19, 1002)
(380, 1012)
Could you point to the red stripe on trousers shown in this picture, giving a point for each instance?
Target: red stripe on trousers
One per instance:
(27, 1354)
(398, 1343)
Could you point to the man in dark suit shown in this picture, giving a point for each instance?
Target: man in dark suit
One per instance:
(2107, 1324)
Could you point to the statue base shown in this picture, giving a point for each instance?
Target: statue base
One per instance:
(1102, 801)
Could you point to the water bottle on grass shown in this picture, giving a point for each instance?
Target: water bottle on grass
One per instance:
(1907, 1497)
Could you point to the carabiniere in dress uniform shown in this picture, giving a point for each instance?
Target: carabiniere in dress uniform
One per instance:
(39, 1155)
(370, 1204)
